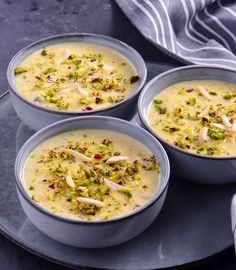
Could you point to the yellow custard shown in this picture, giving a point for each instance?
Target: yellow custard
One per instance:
(197, 116)
(91, 175)
(75, 77)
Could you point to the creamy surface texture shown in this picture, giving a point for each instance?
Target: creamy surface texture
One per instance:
(197, 116)
(91, 175)
(75, 77)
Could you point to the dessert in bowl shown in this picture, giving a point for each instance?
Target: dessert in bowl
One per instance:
(92, 181)
(191, 110)
(75, 74)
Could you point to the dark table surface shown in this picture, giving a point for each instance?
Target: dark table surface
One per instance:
(25, 21)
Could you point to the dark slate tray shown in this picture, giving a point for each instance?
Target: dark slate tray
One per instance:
(193, 225)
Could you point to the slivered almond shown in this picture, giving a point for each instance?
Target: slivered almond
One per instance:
(70, 182)
(204, 111)
(218, 126)
(90, 201)
(81, 91)
(36, 97)
(64, 57)
(229, 129)
(116, 159)
(202, 135)
(108, 68)
(115, 186)
(233, 128)
(70, 88)
(47, 84)
(97, 74)
(226, 121)
(77, 155)
(204, 92)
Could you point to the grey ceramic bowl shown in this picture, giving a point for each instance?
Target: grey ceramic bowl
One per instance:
(198, 168)
(36, 116)
(233, 218)
(91, 234)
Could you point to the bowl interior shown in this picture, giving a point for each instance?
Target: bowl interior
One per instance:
(95, 122)
(177, 75)
(131, 55)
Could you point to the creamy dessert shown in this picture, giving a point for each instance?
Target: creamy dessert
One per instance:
(197, 116)
(75, 77)
(91, 175)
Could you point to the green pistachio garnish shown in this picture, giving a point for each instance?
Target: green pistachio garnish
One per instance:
(191, 101)
(110, 99)
(20, 70)
(228, 95)
(216, 134)
(212, 93)
(93, 171)
(157, 101)
(90, 78)
(44, 52)
(162, 109)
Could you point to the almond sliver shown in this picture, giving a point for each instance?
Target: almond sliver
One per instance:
(233, 128)
(64, 57)
(204, 92)
(108, 68)
(202, 136)
(70, 182)
(81, 91)
(77, 155)
(116, 159)
(90, 201)
(218, 126)
(115, 186)
(226, 121)
(70, 88)
(204, 111)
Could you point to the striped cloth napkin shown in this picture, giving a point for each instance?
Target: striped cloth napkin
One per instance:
(193, 31)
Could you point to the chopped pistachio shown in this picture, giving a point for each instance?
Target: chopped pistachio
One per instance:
(110, 99)
(228, 95)
(191, 101)
(44, 52)
(157, 101)
(20, 70)
(35, 198)
(212, 93)
(162, 109)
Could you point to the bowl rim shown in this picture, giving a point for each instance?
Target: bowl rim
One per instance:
(143, 117)
(85, 36)
(155, 197)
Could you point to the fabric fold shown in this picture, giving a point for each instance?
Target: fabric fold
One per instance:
(193, 31)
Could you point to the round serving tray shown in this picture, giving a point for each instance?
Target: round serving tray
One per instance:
(193, 225)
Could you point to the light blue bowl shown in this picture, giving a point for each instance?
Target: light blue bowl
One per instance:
(36, 116)
(233, 219)
(194, 167)
(93, 234)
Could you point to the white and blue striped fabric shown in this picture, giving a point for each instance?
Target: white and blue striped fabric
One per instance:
(193, 31)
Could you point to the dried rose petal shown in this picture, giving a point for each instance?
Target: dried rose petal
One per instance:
(82, 149)
(189, 90)
(96, 80)
(134, 79)
(98, 156)
(212, 114)
(88, 108)
(98, 100)
(52, 186)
